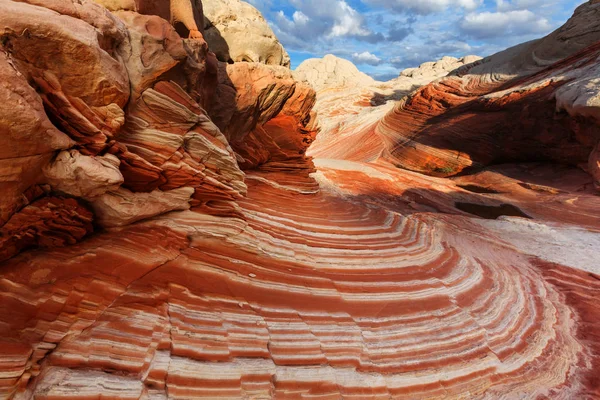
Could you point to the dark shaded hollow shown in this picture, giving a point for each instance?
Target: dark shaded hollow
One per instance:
(491, 212)
(478, 189)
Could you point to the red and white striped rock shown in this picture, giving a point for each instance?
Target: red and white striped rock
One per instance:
(338, 277)
(519, 105)
(310, 294)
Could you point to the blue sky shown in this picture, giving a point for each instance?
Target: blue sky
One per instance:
(382, 37)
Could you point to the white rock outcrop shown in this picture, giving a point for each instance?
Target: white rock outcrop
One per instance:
(236, 31)
(432, 70)
(331, 72)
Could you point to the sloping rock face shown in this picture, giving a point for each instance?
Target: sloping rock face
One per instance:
(534, 102)
(350, 101)
(177, 243)
(185, 15)
(236, 32)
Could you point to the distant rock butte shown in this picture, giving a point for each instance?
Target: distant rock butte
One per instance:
(331, 72)
(172, 226)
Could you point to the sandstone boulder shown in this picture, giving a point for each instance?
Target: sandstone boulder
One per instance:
(83, 176)
(236, 31)
(331, 72)
(241, 110)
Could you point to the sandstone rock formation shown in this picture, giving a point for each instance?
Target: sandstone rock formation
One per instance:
(134, 131)
(350, 101)
(527, 101)
(331, 72)
(185, 15)
(430, 71)
(236, 31)
(165, 236)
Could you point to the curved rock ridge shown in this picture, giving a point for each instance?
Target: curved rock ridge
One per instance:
(350, 101)
(309, 294)
(431, 131)
(536, 101)
(237, 32)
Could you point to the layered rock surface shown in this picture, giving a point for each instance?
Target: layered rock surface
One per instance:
(136, 139)
(533, 102)
(350, 101)
(274, 275)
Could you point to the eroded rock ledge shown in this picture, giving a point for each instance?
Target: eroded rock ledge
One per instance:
(123, 97)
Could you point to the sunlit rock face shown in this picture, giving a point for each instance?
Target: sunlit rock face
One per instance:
(237, 32)
(534, 102)
(166, 236)
(350, 102)
(132, 140)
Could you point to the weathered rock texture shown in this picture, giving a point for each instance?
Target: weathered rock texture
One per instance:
(140, 262)
(236, 31)
(185, 15)
(131, 140)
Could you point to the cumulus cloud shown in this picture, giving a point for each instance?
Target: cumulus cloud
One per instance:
(347, 21)
(315, 23)
(487, 24)
(424, 7)
(384, 36)
(366, 58)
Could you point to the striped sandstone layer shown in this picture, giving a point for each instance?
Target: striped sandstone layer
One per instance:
(178, 243)
(309, 295)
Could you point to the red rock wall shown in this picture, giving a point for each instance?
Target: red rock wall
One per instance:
(135, 130)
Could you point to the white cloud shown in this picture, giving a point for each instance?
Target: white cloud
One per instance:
(383, 36)
(426, 6)
(321, 20)
(347, 21)
(366, 58)
(508, 5)
(496, 24)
